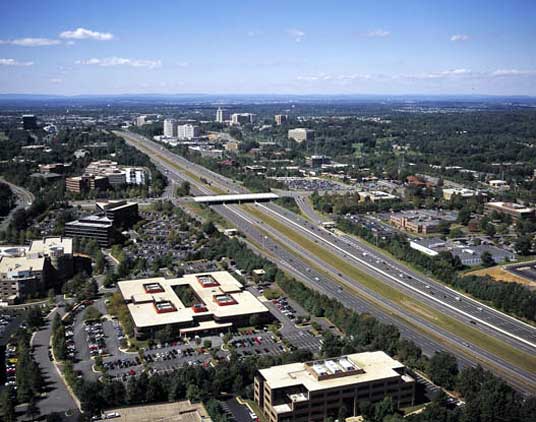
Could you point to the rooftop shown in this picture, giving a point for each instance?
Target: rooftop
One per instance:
(51, 245)
(338, 372)
(182, 411)
(219, 292)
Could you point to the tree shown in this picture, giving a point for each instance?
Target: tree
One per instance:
(523, 245)
(7, 404)
(32, 411)
(183, 189)
(443, 369)
(487, 259)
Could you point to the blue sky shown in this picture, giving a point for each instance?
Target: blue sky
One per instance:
(248, 46)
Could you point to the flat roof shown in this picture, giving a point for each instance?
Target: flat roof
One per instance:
(236, 197)
(9, 264)
(372, 366)
(49, 245)
(144, 314)
(182, 411)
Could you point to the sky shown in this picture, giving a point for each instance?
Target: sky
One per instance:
(385, 47)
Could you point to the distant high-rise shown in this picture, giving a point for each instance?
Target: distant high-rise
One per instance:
(221, 115)
(187, 132)
(29, 121)
(243, 118)
(280, 119)
(170, 128)
(140, 120)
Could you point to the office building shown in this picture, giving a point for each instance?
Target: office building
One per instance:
(187, 132)
(27, 271)
(243, 118)
(96, 227)
(376, 196)
(53, 168)
(193, 304)
(29, 121)
(317, 161)
(280, 119)
(469, 254)
(316, 391)
(122, 213)
(499, 184)
(464, 193)
(422, 221)
(301, 135)
(136, 175)
(170, 128)
(516, 211)
(222, 115)
(85, 183)
(140, 121)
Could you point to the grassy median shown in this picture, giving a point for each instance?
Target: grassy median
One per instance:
(473, 335)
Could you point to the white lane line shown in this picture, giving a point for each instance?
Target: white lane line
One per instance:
(354, 243)
(409, 286)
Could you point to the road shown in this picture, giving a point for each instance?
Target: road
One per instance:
(297, 261)
(57, 398)
(24, 199)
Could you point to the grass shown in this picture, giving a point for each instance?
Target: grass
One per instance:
(257, 410)
(491, 344)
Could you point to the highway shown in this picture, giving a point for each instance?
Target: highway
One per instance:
(301, 263)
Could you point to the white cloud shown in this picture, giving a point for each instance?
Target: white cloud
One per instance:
(56, 80)
(378, 33)
(31, 42)
(120, 61)
(254, 33)
(328, 77)
(82, 34)
(297, 34)
(459, 37)
(13, 62)
(184, 64)
(513, 72)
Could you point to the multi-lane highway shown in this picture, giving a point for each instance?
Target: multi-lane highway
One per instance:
(304, 265)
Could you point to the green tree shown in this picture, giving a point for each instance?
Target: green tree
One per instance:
(443, 369)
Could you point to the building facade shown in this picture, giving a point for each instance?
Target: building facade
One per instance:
(170, 128)
(319, 390)
(280, 119)
(188, 132)
(243, 118)
(99, 228)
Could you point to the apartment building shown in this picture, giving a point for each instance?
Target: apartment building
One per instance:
(301, 135)
(317, 390)
(222, 115)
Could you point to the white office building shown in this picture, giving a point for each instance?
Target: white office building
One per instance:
(243, 118)
(221, 115)
(188, 132)
(170, 128)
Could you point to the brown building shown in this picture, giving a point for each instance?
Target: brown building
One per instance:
(517, 211)
(315, 391)
(85, 183)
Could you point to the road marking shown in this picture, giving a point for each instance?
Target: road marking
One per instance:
(409, 286)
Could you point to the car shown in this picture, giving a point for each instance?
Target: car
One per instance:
(457, 298)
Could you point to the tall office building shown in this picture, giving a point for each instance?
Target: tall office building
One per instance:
(221, 115)
(280, 119)
(170, 128)
(29, 121)
(188, 132)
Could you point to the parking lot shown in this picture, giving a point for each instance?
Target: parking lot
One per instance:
(527, 270)
(311, 184)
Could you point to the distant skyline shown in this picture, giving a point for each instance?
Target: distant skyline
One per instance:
(268, 47)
